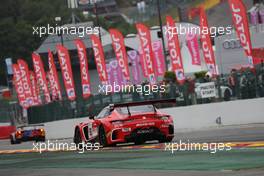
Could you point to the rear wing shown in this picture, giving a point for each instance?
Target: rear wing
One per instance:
(32, 125)
(150, 102)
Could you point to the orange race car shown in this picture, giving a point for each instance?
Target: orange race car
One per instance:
(28, 133)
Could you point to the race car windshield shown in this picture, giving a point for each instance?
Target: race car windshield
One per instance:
(136, 109)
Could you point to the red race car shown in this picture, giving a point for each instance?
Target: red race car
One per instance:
(129, 122)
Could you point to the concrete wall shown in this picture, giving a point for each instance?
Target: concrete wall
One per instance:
(198, 117)
(62, 128)
(190, 118)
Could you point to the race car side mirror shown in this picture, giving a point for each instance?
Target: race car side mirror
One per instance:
(91, 117)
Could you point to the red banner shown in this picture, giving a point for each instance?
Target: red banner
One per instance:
(159, 60)
(54, 80)
(35, 88)
(239, 16)
(207, 47)
(193, 46)
(17, 80)
(120, 51)
(175, 50)
(146, 45)
(66, 70)
(23, 66)
(41, 76)
(86, 90)
(99, 58)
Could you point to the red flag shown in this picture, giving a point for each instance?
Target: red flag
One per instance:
(86, 90)
(65, 64)
(17, 79)
(35, 88)
(99, 58)
(23, 66)
(41, 76)
(207, 47)
(146, 45)
(175, 50)
(120, 51)
(239, 16)
(53, 77)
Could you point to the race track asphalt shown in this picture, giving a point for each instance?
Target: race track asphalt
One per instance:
(245, 159)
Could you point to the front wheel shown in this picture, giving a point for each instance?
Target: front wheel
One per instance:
(12, 140)
(102, 137)
(41, 139)
(77, 138)
(139, 142)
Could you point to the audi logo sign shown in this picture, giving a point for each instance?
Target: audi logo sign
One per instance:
(232, 44)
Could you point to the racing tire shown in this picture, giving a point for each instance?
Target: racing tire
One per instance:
(41, 139)
(77, 138)
(227, 95)
(12, 140)
(139, 142)
(164, 140)
(102, 137)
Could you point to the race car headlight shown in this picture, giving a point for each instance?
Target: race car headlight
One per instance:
(164, 118)
(42, 131)
(18, 133)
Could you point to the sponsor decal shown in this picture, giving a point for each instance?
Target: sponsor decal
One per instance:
(120, 52)
(159, 61)
(146, 45)
(66, 70)
(26, 81)
(193, 46)
(239, 16)
(117, 78)
(53, 78)
(175, 51)
(35, 89)
(207, 47)
(143, 63)
(83, 68)
(99, 58)
(41, 76)
(19, 86)
(134, 60)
